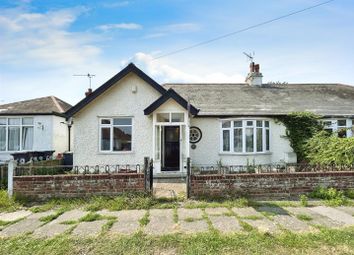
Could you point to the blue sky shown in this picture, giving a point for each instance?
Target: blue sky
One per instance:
(43, 43)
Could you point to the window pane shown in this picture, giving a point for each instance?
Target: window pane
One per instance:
(27, 138)
(266, 123)
(14, 139)
(226, 124)
(105, 121)
(259, 139)
(163, 117)
(27, 121)
(327, 123)
(238, 123)
(342, 123)
(238, 140)
(226, 140)
(105, 139)
(267, 139)
(249, 123)
(2, 138)
(259, 123)
(342, 133)
(122, 121)
(249, 139)
(177, 117)
(122, 138)
(13, 121)
(2, 121)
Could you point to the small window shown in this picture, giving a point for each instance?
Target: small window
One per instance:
(238, 123)
(27, 121)
(249, 123)
(342, 123)
(13, 121)
(122, 121)
(177, 117)
(105, 121)
(226, 124)
(163, 117)
(2, 121)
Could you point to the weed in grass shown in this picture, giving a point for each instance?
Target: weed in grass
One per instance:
(247, 227)
(252, 217)
(175, 215)
(69, 222)
(52, 217)
(304, 200)
(189, 219)
(7, 203)
(145, 219)
(108, 226)
(304, 217)
(90, 217)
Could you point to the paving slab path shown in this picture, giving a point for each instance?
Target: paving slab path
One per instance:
(161, 222)
(334, 214)
(292, 223)
(13, 216)
(184, 214)
(89, 229)
(50, 230)
(72, 215)
(127, 221)
(247, 212)
(196, 226)
(314, 218)
(216, 211)
(263, 225)
(225, 224)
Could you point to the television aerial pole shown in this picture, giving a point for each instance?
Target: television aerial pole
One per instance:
(88, 75)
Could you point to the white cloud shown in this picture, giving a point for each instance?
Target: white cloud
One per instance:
(177, 28)
(126, 26)
(165, 73)
(43, 38)
(116, 4)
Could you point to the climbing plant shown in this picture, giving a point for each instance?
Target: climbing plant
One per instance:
(300, 127)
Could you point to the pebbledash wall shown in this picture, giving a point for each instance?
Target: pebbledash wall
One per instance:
(268, 185)
(43, 187)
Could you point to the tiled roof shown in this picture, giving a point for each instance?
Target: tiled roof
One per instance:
(242, 99)
(37, 106)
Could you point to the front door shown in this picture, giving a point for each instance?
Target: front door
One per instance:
(170, 148)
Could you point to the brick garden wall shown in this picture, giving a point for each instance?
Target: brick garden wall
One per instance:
(48, 186)
(272, 185)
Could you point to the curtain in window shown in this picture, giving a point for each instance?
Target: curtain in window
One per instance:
(249, 139)
(2, 138)
(238, 140)
(27, 138)
(14, 139)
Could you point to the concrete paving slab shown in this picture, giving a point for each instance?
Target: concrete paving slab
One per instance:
(12, 216)
(317, 219)
(89, 229)
(50, 230)
(128, 215)
(334, 214)
(192, 227)
(70, 216)
(216, 211)
(21, 227)
(189, 213)
(37, 216)
(292, 223)
(346, 209)
(161, 222)
(225, 224)
(125, 227)
(247, 212)
(263, 225)
(272, 210)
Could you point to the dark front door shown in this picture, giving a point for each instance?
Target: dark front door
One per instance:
(170, 148)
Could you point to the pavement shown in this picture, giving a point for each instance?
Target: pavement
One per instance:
(159, 222)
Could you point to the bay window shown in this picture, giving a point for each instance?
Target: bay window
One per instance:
(245, 136)
(16, 134)
(116, 134)
(342, 127)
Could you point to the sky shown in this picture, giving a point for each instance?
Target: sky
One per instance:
(44, 43)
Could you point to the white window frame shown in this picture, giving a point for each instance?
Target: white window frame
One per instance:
(21, 125)
(244, 127)
(100, 126)
(335, 128)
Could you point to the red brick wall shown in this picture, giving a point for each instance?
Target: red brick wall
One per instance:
(47, 186)
(276, 185)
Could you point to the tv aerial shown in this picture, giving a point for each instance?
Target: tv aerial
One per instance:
(250, 56)
(88, 75)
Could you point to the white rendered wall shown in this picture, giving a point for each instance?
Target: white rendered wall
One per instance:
(208, 149)
(119, 100)
(60, 137)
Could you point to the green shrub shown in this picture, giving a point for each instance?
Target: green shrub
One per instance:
(6, 203)
(331, 196)
(349, 193)
(326, 149)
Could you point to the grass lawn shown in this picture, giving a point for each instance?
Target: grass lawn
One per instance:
(323, 242)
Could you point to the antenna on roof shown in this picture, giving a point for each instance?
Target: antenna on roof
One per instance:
(250, 56)
(88, 75)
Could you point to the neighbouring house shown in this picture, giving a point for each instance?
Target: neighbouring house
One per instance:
(36, 125)
(132, 116)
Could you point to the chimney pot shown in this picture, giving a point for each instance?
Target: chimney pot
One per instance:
(88, 92)
(256, 68)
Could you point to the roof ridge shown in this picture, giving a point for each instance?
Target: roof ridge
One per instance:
(57, 104)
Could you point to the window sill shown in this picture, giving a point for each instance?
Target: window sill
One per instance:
(245, 154)
(115, 152)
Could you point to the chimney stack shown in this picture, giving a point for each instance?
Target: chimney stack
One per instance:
(254, 77)
(88, 92)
